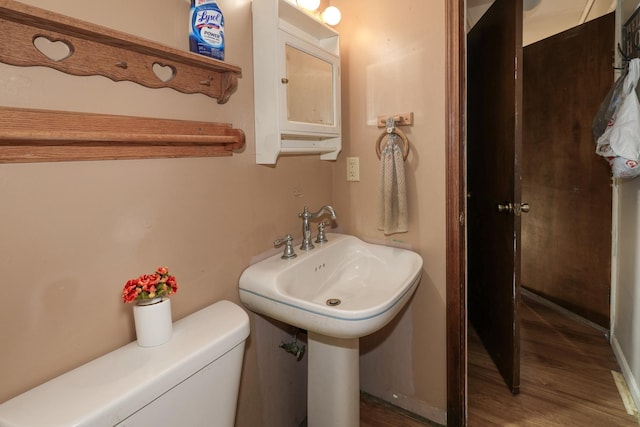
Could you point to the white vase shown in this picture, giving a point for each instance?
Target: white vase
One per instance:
(153, 322)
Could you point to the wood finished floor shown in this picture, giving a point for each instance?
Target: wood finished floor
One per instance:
(377, 413)
(566, 377)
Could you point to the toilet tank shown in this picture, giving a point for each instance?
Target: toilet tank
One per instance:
(193, 380)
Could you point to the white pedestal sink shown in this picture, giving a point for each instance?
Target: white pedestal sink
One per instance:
(333, 395)
(340, 291)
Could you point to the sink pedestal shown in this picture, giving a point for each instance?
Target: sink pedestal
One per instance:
(333, 396)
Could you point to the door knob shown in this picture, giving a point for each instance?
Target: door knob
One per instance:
(507, 207)
(514, 209)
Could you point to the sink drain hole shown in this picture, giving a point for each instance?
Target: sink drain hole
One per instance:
(332, 302)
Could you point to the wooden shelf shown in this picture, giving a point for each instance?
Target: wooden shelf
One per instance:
(37, 37)
(89, 49)
(30, 135)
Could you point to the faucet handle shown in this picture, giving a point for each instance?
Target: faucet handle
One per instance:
(305, 214)
(288, 249)
(321, 236)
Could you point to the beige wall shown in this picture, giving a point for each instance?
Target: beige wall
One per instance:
(72, 233)
(394, 63)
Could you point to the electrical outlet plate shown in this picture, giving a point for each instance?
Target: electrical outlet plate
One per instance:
(353, 168)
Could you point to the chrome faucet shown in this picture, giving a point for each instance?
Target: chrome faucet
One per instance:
(306, 218)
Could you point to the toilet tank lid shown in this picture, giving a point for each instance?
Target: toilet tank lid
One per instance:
(107, 390)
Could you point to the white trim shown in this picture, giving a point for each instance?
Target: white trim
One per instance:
(626, 371)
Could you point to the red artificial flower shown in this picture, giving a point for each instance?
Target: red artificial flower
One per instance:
(149, 286)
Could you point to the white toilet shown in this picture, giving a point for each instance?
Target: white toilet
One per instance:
(192, 381)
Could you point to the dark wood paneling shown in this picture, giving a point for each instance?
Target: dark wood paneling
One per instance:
(566, 238)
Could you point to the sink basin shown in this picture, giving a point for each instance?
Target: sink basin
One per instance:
(344, 288)
(340, 291)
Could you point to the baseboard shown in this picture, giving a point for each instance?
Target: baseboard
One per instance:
(558, 308)
(434, 416)
(410, 414)
(626, 371)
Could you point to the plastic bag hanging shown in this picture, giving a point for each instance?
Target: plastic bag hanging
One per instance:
(620, 141)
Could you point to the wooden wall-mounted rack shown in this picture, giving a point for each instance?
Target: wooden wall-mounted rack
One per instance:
(29, 135)
(401, 119)
(89, 49)
(97, 50)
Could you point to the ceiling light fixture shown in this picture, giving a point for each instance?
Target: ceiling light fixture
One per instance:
(331, 15)
(308, 4)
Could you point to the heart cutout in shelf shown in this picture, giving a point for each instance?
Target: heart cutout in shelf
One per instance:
(164, 72)
(55, 50)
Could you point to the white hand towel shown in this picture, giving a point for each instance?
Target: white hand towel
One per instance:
(392, 204)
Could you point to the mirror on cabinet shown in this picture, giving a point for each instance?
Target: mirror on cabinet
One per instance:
(296, 83)
(309, 87)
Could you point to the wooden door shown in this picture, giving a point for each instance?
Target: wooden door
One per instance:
(494, 121)
(566, 239)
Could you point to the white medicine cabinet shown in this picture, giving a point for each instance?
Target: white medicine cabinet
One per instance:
(296, 61)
